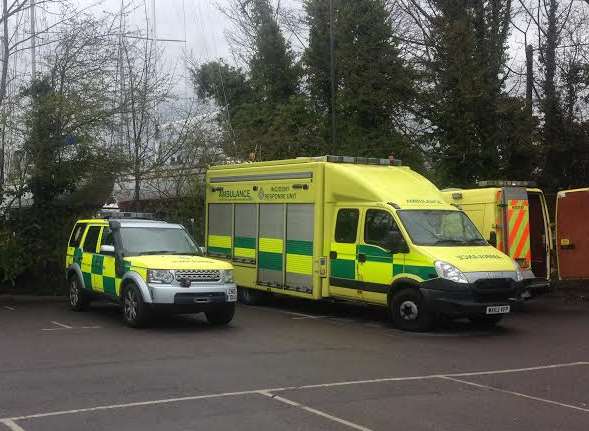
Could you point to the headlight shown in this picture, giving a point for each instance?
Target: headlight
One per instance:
(160, 276)
(227, 275)
(519, 275)
(449, 272)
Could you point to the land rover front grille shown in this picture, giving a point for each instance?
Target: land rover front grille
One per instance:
(199, 276)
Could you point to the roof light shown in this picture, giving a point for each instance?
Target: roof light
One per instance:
(360, 160)
(124, 215)
(505, 183)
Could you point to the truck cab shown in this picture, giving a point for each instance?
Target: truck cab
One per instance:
(512, 216)
(148, 266)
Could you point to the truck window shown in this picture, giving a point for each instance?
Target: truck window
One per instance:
(377, 226)
(91, 239)
(77, 234)
(346, 225)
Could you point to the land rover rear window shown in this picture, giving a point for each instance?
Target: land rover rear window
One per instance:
(346, 225)
(77, 234)
(91, 239)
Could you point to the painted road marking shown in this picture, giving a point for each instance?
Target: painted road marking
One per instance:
(300, 316)
(63, 325)
(315, 411)
(11, 425)
(9, 308)
(517, 394)
(290, 388)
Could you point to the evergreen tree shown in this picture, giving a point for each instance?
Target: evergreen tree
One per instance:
(473, 135)
(263, 112)
(374, 85)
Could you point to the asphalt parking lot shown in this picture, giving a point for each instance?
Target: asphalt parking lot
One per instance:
(291, 366)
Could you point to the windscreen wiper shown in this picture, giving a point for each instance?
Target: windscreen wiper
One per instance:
(449, 241)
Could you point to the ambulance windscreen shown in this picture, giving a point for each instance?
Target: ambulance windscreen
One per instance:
(440, 228)
(152, 240)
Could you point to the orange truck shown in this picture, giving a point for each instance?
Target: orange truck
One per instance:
(572, 234)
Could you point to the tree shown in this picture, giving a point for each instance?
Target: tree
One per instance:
(254, 103)
(374, 85)
(69, 172)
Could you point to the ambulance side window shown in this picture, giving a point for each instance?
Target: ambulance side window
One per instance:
(107, 237)
(378, 226)
(77, 234)
(346, 225)
(91, 239)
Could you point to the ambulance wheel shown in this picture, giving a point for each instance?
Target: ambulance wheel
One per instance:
(484, 321)
(250, 296)
(135, 311)
(221, 315)
(79, 300)
(408, 311)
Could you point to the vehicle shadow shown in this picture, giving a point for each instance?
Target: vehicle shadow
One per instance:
(374, 316)
(111, 314)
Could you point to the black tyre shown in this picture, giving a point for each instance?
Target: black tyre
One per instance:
(221, 314)
(250, 296)
(79, 300)
(409, 311)
(485, 321)
(135, 312)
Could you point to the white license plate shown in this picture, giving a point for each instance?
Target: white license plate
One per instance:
(498, 309)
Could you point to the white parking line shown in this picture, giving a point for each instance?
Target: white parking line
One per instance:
(517, 394)
(9, 308)
(11, 425)
(303, 316)
(292, 388)
(315, 411)
(61, 324)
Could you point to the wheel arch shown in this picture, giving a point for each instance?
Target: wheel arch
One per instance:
(134, 278)
(401, 284)
(74, 271)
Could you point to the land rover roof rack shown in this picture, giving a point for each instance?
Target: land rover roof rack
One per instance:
(105, 214)
(506, 183)
(391, 161)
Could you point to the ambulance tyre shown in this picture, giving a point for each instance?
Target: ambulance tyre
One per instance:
(408, 311)
(221, 315)
(485, 322)
(79, 300)
(135, 311)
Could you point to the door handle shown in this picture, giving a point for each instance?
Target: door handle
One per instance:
(333, 254)
(361, 258)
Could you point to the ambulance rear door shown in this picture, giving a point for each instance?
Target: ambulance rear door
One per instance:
(572, 234)
(516, 218)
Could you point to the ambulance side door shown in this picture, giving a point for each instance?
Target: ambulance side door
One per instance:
(104, 265)
(375, 262)
(342, 255)
(89, 249)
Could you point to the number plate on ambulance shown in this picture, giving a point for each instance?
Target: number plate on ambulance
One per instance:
(498, 309)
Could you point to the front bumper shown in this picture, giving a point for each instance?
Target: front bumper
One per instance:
(463, 300)
(197, 295)
(533, 286)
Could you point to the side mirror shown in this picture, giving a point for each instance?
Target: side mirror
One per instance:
(395, 243)
(493, 238)
(109, 250)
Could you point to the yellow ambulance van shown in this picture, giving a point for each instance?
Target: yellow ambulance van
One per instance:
(359, 229)
(512, 216)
